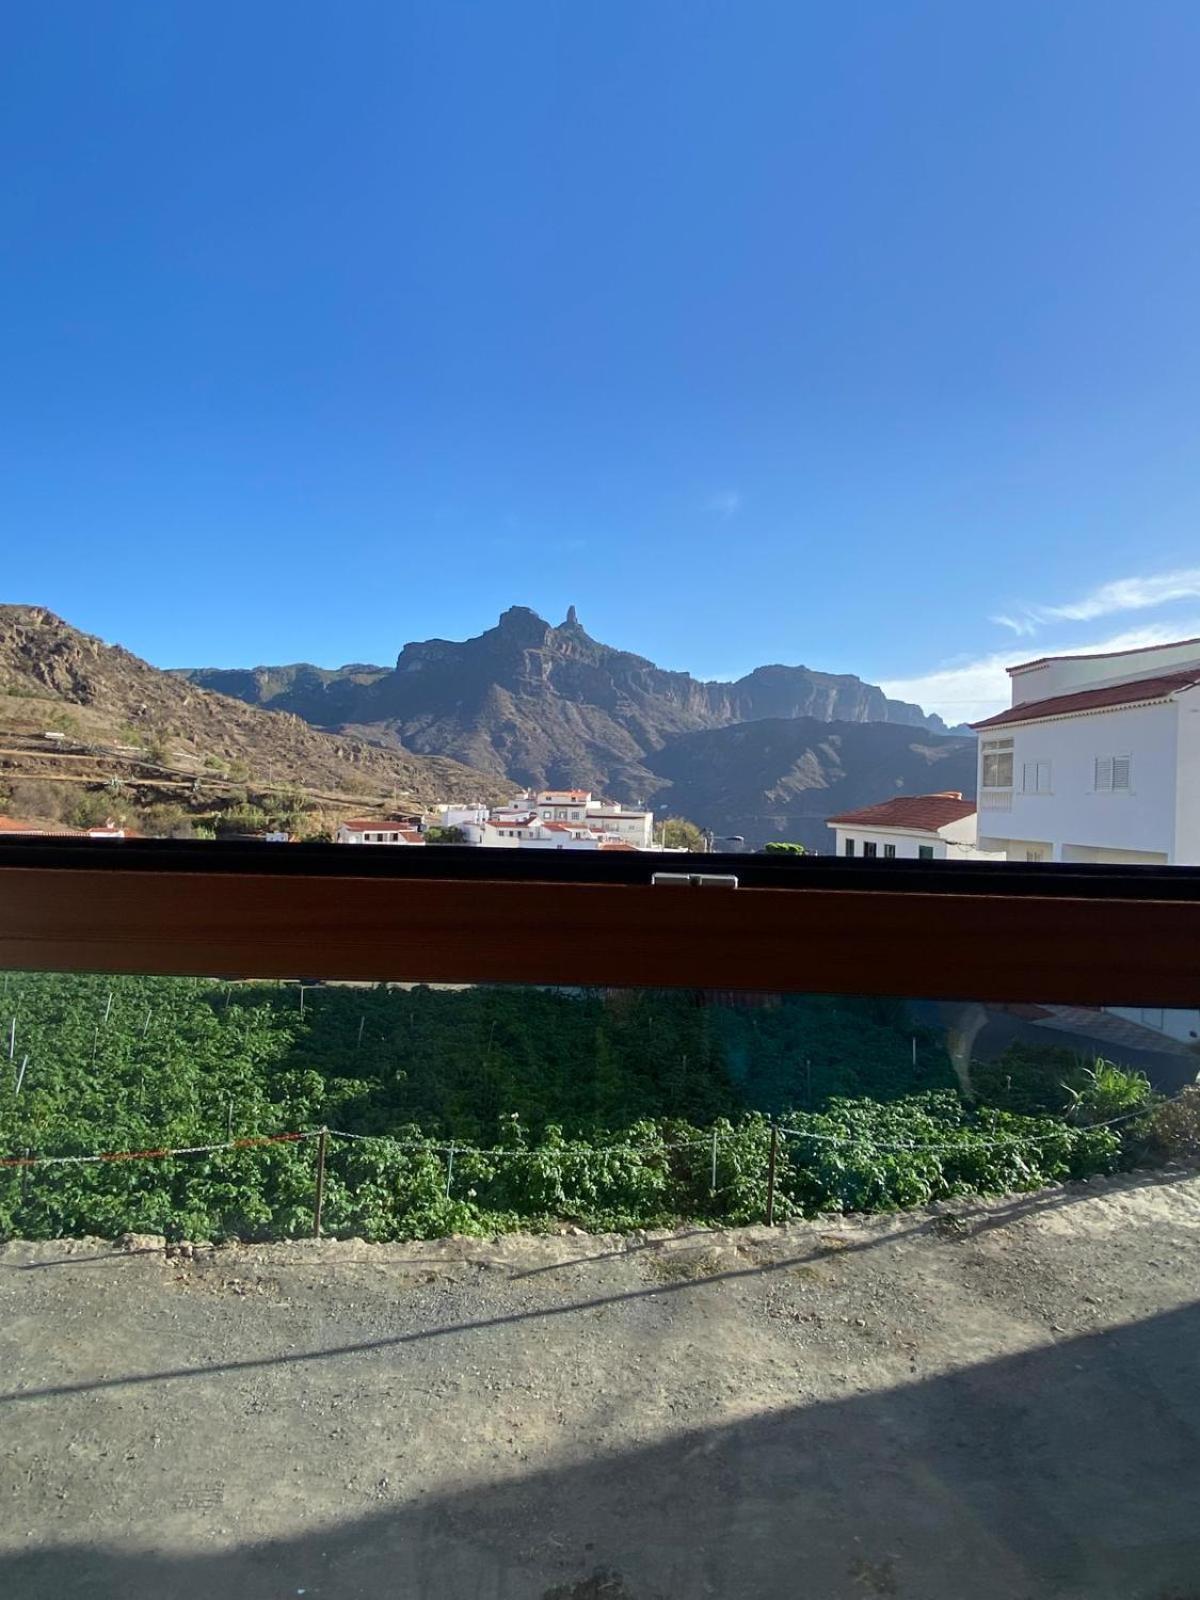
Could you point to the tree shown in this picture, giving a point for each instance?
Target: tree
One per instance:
(783, 847)
(678, 833)
(443, 836)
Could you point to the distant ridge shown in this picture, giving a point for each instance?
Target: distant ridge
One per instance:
(549, 704)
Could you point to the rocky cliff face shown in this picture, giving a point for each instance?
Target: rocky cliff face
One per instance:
(552, 705)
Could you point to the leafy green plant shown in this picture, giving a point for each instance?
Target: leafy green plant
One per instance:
(1107, 1091)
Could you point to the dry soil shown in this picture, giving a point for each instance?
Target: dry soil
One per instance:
(991, 1402)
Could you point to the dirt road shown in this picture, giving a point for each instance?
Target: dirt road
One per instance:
(999, 1401)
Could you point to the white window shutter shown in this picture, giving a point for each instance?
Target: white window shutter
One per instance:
(1120, 772)
(1104, 772)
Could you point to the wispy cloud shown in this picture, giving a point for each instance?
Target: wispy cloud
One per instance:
(1123, 594)
(1130, 594)
(726, 503)
(968, 689)
(1021, 625)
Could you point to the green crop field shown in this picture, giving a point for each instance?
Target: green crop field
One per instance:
(480, 1110)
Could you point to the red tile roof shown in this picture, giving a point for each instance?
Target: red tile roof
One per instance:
(1102, 655)
(12, 825)
(1103, 699)
(922, 813)
(378, 824)
(564, 827)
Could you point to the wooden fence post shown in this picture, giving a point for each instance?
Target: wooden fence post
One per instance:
(319, 1201)
(771, 1174)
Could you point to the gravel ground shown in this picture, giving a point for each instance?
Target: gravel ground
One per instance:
(993, 1400)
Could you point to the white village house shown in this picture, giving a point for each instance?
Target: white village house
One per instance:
(1097, 759)
(380, 830)
(915, 827)
(454, 816)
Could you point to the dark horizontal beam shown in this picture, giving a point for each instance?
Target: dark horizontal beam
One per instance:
(1006, 947)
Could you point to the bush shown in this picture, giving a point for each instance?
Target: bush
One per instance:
(1172, 1131)
(34, 798)
(243, 819)
(168, 821)
(92, 809)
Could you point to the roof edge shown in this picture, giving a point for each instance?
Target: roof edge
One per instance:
(1097, 655)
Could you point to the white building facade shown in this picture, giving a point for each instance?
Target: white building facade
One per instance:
(1098, 759)
(457, 816)
(531, 833)
(918, 827)
(380, 830)
(578, 808)
(543, 819)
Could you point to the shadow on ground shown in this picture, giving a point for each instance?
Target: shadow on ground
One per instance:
(1069, 1473)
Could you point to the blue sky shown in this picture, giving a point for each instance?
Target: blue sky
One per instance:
(759, 331)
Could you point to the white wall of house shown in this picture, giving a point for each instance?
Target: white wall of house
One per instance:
(377, 835)
(1066, 674)
(1176, 1024)
(905, 846)
(457, 816)
(1054, 801)
(501, 834)
(631, 827)
(552, 807)
(1187, 778)
(955, 842)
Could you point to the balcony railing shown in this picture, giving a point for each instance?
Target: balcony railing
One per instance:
(985, 931)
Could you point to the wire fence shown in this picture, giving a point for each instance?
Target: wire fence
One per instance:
(714, 1139)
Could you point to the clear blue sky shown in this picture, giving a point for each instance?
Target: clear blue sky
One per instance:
(759, 331)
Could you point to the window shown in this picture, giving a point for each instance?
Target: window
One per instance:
(889, 851)
(1035, 777)
(849, 847)
(1112, 773)
(1033, 855)
(870, 849)
(924, 852)
(997, 763)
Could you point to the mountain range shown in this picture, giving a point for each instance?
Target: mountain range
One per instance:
(769, 755)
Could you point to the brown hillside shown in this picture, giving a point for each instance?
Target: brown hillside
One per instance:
(118, 717)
